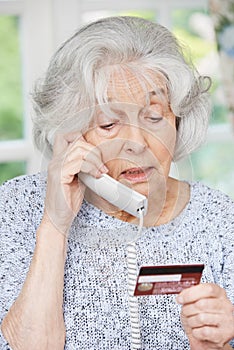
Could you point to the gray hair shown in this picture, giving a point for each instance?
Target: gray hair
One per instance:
(80, 72)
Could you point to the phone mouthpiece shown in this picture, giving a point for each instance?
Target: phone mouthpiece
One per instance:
(116, 193)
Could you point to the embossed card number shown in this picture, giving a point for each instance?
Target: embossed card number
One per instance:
(167, 279)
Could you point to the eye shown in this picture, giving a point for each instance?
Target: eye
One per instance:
(151, 116)
(154, 119)
(109, 121)
(107, 126)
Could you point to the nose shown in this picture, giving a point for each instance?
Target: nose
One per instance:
(135, 142)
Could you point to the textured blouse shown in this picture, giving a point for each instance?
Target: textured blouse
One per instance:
(96, 306)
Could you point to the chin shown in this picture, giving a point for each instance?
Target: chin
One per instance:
(142, 188)
(152, 188)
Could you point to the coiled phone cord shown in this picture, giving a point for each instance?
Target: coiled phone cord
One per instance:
(133, 301)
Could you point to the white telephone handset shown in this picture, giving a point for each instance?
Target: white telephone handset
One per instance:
(116, 193)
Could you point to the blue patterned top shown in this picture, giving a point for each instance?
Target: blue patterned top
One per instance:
(96, 309)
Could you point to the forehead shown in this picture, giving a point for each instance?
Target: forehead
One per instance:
(128, 87)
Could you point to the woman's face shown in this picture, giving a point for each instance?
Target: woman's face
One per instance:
(137, 139)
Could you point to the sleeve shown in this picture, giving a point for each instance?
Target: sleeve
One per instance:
(228, 267)
(218, 220)
(17, 242)
(226, 234)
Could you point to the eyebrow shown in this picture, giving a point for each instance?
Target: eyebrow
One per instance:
(160, 91)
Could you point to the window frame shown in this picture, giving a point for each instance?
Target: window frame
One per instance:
(59, 22)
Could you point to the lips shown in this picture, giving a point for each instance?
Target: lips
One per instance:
(136, 174)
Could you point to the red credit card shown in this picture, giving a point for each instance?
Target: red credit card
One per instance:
(167, 279)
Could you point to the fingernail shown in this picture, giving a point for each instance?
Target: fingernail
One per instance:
(104, 169)
(179, 299)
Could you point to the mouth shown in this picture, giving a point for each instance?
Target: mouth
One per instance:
(137, 175)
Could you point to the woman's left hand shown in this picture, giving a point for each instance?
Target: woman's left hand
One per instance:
(207, 317)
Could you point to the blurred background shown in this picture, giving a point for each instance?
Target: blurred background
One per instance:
(31, 30)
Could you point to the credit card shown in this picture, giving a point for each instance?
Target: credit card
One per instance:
(167, 279)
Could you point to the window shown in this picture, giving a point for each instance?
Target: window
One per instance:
(11, 100)
(213, 162)
(22, 60)
(60, 19)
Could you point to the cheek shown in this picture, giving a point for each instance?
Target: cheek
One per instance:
(93, 137)
(109, 148)
(163, 145)
(161, 152)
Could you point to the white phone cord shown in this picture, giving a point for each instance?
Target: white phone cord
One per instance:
(133, 301)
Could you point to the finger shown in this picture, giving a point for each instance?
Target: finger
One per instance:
(94, 167)
(62, 141)
(204, 319)
(200, 291)
(211, 334)
(212, 305)
(85, 151)
(71, 169)
(91, 169)
(77, 141)
(85, 155)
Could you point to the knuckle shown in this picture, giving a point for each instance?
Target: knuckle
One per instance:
(205, 332)
(201, 304)
(201, 318)
(211, 289)
(184, 311)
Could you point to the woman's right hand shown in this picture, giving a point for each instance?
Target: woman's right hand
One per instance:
(65, 193)
(35, 320)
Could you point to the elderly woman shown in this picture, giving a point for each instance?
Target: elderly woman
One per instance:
(118, 99)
